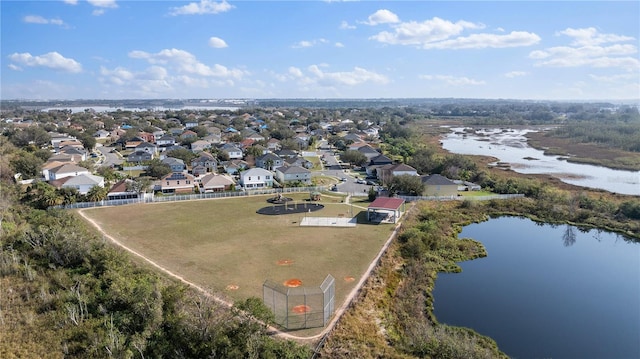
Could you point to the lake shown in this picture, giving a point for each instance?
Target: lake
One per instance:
(510, 146)
(547, 291)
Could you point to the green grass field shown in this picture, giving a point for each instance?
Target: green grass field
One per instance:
(222, 242)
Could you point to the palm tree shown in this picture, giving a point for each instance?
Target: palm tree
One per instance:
(97, 193)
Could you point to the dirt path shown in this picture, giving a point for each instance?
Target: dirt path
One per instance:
(272, 330)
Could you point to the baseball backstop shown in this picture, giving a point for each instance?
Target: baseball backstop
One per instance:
(300, 307)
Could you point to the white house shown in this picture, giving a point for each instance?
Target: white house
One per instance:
(256, 178)
(83, 183)
(289, 174)
(66, 170)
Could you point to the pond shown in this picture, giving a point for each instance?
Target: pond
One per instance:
(547, 291)
(510, 146)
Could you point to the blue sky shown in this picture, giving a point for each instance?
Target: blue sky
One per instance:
(110, 49)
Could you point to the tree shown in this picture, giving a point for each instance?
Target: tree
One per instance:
(88, 141)
(183, 154)
(97, 193)
(407, 184)
(32, 134)
(353, 157)
(26, 163)
(69, 195)
(157, 169)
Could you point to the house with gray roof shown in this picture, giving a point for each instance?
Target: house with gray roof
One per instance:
(269, 161)
(291, 174)
(176, 164)
(439, 186)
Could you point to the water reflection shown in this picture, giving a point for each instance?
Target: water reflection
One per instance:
(540, 301)
(510, 147)
(569, 236)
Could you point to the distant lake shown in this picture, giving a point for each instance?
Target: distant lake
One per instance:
(547, 291)
(511, 146)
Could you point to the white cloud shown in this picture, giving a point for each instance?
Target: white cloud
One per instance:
(154, 80)
(296, 72)
(111, 4)
(350, 78)
(339, 44)
(452, 80)
(185, 62)
(424, 33)
(52, 60)
(217, 42)
(14, 67)
(345, 26)
(98, 12)
(382, 16)
(586, 50)
(513, 74)
(71, 2)
(618, 78)
(37, 19)
(201, 8)
(592, 56)
(308, 43)
(590, 36)
(482, 41)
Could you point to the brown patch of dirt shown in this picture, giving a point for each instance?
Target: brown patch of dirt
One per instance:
(292, 283)
(285, 262)
(299, 309)
(349, 279)
(233, 287)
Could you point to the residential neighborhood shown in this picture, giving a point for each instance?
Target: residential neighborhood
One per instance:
(127, 154)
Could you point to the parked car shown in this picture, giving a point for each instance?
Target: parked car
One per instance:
(343, 179)
(372, 183)
(361, 181)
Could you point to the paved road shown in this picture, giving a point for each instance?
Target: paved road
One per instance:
(332, 169)
(108, 158)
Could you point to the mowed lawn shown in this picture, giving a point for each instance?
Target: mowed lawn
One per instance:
(224, 242)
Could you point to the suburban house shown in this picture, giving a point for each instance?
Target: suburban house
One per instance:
(200, 145)
(83, 183)
(298, 161)
(248, 133)
(290, 174)
(369, 152)
(74, 152)
(166, 141)
(234, 166)
(205, 160)
(147, 147)
(286, 153)
(188, 134)
(177, 182)
(148, 137)
(387, 172)
(216, 183)
(139, 157)
(273, 144)
(176, 164)
(269, 161)
(377, 162)
(122, 190)
(47, 166)
(66, 170)
(232, 151)
(439, 186)
(101, 134)
(256, 178)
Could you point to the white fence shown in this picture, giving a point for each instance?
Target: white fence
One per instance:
(460, 198)
(188, 197)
